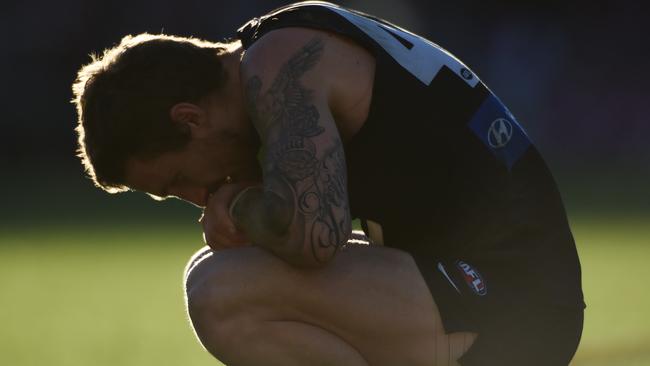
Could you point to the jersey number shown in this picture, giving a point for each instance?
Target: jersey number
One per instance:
(420, 57)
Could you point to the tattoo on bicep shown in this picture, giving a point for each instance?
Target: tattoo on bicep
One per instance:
(330, 188)
(286, 117)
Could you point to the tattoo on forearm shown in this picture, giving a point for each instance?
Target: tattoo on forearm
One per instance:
(287, 119)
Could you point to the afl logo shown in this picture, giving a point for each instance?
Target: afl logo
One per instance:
(472, 278)
(499, 133)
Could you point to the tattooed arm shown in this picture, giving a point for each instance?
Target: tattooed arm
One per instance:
(301, 213)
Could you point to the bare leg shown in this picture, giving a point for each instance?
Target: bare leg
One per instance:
(369, 306)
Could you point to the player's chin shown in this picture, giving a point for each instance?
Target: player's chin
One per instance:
(202, 202)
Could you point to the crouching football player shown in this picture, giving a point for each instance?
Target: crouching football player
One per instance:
(314, 115)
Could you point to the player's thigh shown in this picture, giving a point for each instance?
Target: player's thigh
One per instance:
(380, 302)
(360, 277)
(372, 297)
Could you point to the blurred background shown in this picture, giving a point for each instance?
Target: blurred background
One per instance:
(90, 279)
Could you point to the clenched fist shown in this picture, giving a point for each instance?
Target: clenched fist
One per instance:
(219, 230)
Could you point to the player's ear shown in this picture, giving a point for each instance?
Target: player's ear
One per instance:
(190, 117)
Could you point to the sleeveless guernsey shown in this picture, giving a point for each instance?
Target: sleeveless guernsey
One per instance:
(445, 168)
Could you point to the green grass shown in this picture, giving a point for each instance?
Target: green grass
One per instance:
(96, 298)
(99, 296)
(614, 255)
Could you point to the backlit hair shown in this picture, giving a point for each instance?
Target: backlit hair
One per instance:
(123, 99)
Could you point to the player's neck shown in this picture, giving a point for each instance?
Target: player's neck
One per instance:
(231, 59)
(232, 97)
(232, 90)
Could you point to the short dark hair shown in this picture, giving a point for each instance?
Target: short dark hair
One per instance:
(124, 97)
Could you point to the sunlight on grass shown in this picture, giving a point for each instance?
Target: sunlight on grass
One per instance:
(614, 255)
(99, 296)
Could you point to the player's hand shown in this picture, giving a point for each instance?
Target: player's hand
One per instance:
(219, 230)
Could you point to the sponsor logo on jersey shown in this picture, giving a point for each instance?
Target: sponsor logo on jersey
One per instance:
(498, 129)
(499, 133)
(472, 278)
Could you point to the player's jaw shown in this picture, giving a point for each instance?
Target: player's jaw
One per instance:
(197, 195)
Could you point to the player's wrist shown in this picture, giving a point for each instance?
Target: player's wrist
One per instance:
(238, 205)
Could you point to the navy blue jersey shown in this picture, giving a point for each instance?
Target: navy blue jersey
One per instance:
(442, 165)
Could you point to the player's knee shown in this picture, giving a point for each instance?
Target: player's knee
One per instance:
(195, 259)
(209, 288)
(222, 289)
(207, 318)
(225, 275)
(207, 307)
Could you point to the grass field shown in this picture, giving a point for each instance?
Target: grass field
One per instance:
(96, 297)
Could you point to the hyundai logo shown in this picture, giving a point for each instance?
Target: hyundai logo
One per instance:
(499, 133)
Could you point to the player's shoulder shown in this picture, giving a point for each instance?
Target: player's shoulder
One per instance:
(330, 64)
(286, 46)
(327, 54)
